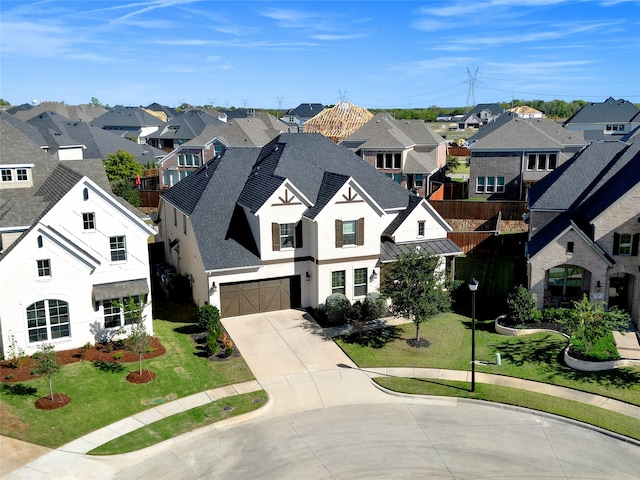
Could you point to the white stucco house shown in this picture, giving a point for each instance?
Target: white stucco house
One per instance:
(285, 225)
(69, 250)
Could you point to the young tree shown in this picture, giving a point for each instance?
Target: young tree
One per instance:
(122, 165)
(138, 340)
(416, 289)
(46, 364)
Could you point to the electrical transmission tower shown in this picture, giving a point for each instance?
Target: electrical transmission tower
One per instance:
(471, 94)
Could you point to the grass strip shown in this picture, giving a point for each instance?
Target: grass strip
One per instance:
(596, 416)
(183, 422)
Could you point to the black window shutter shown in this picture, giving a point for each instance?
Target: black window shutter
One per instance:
(634, 244)
(616, 243)
(275, 237)
(299, 234)
(360, 232)
(339, 241)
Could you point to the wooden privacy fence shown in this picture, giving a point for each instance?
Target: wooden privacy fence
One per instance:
(149, 198)
(479, 210)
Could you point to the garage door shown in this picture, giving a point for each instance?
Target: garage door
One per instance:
(244, 298)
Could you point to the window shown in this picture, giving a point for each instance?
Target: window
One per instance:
(196, 160)
(337, 282)
(175, 217)
(287, 237)
(48, 319)
(116, 313)
(397, 160)
(44, 268)
(89, 221)
(421, 228)
(181, 160)
(359, 282)
(189, 160)
(22, 174)
(624, 244)
(418, 180)
(380, 160)
(349, 232)
(480, 185)
(491, 185)
(565, 281)
(542, 161)
(118, 249)
(7, 175)
(500, 184)
(570, 247)
(184, 224)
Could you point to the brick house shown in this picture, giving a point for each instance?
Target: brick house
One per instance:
(511, 153)
(584, 229)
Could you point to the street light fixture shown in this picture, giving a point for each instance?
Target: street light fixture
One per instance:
(473, 286)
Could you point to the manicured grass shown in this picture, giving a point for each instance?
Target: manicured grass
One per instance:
(533, 357)
(99, 398)
(183, 422)
(590, 414)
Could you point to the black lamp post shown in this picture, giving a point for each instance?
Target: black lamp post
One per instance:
(473, 286)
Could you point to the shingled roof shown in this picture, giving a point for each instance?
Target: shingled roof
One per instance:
(609, 111)
(247, 177)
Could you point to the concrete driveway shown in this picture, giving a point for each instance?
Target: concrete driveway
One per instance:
(326, 420)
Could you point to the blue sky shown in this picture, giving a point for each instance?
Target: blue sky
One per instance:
(376, 54)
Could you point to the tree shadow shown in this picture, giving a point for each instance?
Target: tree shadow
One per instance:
(19, 389)
(481, 325)
(190, 329)
(376, 338)
(108, 367)
(543, 351)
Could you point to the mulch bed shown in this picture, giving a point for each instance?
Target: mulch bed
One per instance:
(99, 353)
(59, 400)
(146, 377)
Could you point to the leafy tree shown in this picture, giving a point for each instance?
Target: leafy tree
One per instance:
(590, 322)
(138, 340)
(46, 364)
(453, 163)
(417, 290)
(521, 306)
(4, 103)
(124, 189)
(122, 165)
(95, 102)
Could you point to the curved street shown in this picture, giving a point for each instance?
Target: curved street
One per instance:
(327, 421)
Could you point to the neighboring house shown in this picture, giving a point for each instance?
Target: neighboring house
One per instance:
(511, 153)
(609, 120)
(286, 225)
(69, 140)
(77, 113)
(69, 251)
(181, 129)
(584, 229)
(134, 123)
(481, 114)
(408, 151)
(162, 112)
(255, 131)
(296, 117)
(525, 111)
(339, 121)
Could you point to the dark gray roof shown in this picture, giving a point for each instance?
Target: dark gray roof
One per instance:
(609, 111)
(188, 125)
(306, 110)
(581, 190)
(512, 132)
(254, 131)
(389, 251)
(124, 289)
(331, 183)
(131, 118)
(28, 130)
(209, 197)
(78, 113)
(60, 132)
(215, 195)
(494, 108)
(168, 111)
(385, 132)
(414, 201)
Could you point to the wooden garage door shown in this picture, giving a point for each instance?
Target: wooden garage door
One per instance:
(259, 296)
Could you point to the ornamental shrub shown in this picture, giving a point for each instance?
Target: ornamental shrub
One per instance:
(208, 317)
(338, 308)
(521, 307)
(374, 306)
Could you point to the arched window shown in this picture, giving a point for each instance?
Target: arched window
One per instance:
(48, 320)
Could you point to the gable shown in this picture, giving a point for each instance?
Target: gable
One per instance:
(347, 200)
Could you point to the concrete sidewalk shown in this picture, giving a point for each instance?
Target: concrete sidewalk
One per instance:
(301, 369)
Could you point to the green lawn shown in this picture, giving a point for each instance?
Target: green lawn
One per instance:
(99, 398)
(591, 414)
(182, 422)
(533, 357)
